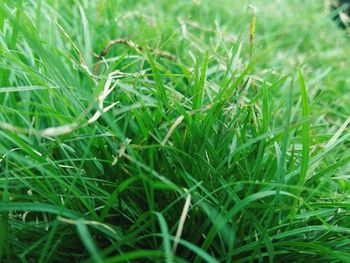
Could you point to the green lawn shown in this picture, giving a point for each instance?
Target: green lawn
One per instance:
(173, 131)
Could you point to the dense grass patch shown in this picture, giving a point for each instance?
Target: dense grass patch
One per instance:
(177, 131)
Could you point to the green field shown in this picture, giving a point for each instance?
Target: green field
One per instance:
(173, 131)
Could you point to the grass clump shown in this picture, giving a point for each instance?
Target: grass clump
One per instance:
(177, 131)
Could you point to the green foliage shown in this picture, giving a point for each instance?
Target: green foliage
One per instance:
(104, 144)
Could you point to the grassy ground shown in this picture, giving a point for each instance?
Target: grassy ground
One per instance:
(198, 137)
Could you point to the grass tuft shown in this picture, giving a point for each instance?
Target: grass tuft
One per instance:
(176, 131)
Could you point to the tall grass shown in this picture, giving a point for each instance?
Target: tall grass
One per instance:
(193, 137)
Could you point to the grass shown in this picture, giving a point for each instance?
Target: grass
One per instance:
(210, 131)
